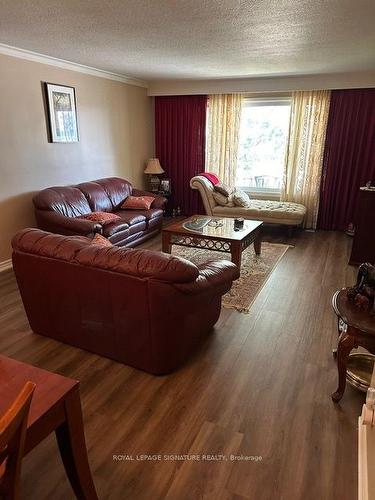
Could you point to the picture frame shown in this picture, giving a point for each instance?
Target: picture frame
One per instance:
(165, 185)
(61, 113)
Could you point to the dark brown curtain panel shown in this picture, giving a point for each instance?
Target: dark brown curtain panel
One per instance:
(180, 142)
(349, 156)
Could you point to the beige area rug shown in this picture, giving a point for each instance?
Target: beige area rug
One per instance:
(255, 270)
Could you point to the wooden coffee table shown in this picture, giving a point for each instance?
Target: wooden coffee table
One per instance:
(216, 233)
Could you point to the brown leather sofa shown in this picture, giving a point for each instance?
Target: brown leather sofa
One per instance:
(57, 210)
(146, 309)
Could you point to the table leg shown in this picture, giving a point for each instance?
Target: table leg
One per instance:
(166, 242)
(71, 441)
(258, 243)
(345, 345)
(235, 250)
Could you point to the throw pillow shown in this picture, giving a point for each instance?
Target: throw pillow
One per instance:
(214, 179)
(241, 199)
(223, 201)
(101, 217)
(98, 239)
(223, 189)
(138, 202)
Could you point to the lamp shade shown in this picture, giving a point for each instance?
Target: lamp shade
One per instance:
(153, 167)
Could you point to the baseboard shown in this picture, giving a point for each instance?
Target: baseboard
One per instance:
(5, 265)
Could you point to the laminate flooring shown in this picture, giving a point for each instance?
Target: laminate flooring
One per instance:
(259, 387)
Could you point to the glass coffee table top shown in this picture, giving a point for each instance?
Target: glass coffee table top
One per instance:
(219, 227)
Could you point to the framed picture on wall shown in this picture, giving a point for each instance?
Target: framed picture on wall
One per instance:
(62, 113)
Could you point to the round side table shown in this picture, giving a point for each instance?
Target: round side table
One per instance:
(356, 328)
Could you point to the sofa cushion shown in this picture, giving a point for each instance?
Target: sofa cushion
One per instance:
(120, 237)
(130, 216)
(138, 202)
(68, 201)
(131, 229)
(96, 196)
(98, 239)
(101, 217)
(240, 198)
(148, 214)
(138, 228)
(115, 227)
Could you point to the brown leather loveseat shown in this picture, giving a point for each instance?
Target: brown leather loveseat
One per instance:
(139, 307)
(57, 209)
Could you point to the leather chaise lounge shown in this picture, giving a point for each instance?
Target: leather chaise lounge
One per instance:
(57, 209)
(142, 308)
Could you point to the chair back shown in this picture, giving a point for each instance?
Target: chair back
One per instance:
(13, 426)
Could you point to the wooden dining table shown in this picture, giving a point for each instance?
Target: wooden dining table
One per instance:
(55, 407)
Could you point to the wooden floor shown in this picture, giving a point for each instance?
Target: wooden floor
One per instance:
(259, 387)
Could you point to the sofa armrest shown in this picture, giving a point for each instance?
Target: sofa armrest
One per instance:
(57, 223)
(214, 274)
(159, 201)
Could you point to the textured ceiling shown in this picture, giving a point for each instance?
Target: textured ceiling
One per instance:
(152, 39)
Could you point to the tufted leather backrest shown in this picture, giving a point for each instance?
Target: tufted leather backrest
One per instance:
(103, 195)
(80, 250)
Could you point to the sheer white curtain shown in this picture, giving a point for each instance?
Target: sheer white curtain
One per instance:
(223, 130)
(304, 156)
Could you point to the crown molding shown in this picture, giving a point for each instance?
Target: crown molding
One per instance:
(29, 55)
(290, 83)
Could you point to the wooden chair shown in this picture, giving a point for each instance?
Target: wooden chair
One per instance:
(13, 426)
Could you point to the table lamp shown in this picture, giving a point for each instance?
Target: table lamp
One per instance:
(153, 169)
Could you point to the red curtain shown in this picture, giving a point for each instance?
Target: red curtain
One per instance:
(349, 156)
(180, 140)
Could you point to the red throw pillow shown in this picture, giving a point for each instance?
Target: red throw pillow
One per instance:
(98, 239)
(138, 202)
(214, 179)
(101, 217)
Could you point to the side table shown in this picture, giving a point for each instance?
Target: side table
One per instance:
(356, 328)
(167, 208)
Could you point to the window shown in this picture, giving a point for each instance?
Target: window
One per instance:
(263, 138)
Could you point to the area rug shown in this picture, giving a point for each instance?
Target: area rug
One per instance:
(255, 270)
